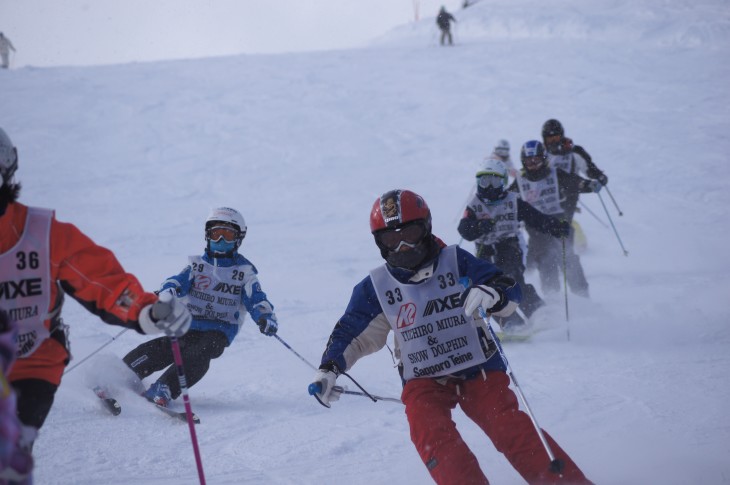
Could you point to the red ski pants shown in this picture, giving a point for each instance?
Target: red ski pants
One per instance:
(490, 403)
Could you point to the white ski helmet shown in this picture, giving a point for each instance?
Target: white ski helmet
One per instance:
(492, 179)
(502, 149)
(493, 166)
(229, 217)
(8, 157)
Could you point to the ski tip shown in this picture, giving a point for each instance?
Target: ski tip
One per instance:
(115, 408)
(111, 404)
(182, 416)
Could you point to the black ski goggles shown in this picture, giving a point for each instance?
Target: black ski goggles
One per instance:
(490, 180)
(411, 234)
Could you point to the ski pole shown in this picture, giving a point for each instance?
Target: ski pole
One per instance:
(614, 201)
(626, 253)
(295, 352)
(556, 465)
(472, 191)
(339, 389)
(592, 213)
(93, 353)
(316, 388)
(565, 287)
(374, 397)
(188, 409)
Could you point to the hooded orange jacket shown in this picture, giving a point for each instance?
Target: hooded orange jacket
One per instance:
(89, 273)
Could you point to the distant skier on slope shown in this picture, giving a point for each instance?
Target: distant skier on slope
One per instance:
(5, 47)
(42, 260)
(492, 218)
(446, 355)
(443, 20)
(501, 153)
(216, 287)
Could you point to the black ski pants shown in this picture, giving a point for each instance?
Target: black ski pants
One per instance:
(197, 349)
(547, 252)
(507, 256)
(35, 398)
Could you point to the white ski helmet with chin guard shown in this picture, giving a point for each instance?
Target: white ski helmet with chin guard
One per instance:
(8, 157)
(227, 217)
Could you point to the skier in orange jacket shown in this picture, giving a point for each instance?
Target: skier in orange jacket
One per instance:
(41, 260)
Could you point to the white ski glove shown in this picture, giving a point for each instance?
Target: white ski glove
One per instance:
(595, 185)
(479, 296)
(167, 315)
(321, 387)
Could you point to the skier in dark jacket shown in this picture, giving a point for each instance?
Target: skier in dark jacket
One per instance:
(562, 154)
(492, 218)
(554, 192)
(443, 20)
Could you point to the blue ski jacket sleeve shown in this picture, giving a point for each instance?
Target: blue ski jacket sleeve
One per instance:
(363, 328)
(179, 284)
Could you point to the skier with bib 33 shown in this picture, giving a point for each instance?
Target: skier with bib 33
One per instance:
(216, 286)
(429, 294)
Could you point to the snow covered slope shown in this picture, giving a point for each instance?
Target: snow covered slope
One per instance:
(302, 144)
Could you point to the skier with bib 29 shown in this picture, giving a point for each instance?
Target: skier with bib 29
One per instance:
(216, 286)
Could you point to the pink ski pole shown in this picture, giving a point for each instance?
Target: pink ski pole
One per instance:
(188, 409)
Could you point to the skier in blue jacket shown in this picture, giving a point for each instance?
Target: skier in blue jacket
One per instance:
(215, 286)
(428, 294)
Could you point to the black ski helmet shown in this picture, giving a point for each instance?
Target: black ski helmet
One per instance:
(552, 127)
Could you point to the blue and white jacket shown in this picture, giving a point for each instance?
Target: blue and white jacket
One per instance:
(215, 291)
(364, 327)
